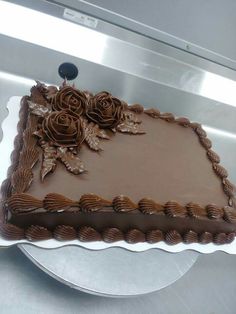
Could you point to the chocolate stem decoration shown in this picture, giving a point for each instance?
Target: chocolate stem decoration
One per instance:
(68, 118)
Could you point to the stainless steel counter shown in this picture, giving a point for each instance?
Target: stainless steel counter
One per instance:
(208, 288)
(137, 69)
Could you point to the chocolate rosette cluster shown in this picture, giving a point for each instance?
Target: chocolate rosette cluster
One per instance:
(69, 117)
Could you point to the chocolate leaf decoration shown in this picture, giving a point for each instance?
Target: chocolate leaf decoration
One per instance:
(49, 159)
(39, 133)
(37, 109)
(72, 162)
(37, 94)
(51, 92)
(74, 150)
(128, 126)
(131, 116)
(102, 133)
(92, 132)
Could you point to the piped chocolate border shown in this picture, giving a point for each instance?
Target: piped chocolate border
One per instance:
(110, 235)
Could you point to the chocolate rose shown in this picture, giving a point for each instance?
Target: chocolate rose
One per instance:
(105, 110)
(69, 98)
(63, 129)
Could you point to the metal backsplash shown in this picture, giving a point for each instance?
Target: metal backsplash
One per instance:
(131, 66)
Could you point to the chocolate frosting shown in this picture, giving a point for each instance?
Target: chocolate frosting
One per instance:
(220, 171)
(37, 233)
(230, 237)
(229, 188)
(21, 203)
(195, 210)
(183, 121)
(205, 142)
(173, 237)
(154, 113)
(71, 99)
(18, 142)
(135, 236)
(200, 131)
(21, 180)
(92, 203)
(38, 94)
(105, 110)
(167, 116)
(88, 234)
(190, 237)
(148, 206)
(205, 237)
(63, 129)
(123, 204)
(56, 202)
(173, 209)
(214, 212)
(213, 156)
(154, 236)
(137, 108)
(6, 188)
(195, 125)
(112, 235)
(29, 139)
(230, 214)
(65, 233)
(220, 238)
(29, 157)
(11, 232)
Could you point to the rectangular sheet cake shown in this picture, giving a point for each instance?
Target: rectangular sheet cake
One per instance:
(92, 167)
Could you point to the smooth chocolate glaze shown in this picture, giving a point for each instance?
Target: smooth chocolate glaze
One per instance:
(167, 163)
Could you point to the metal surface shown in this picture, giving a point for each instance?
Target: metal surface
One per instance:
(188, 25)
(131, 66)
(136, 69)
(113, 272)
(25, 289)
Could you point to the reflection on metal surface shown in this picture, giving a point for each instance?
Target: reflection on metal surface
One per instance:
(16, 78)
(220, 133)
(101, 10)
(107, 50)
(219, 88)
(51, 32)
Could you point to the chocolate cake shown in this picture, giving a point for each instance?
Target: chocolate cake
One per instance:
(92, 167)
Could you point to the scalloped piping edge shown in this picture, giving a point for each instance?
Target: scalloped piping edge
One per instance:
(110, 235)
